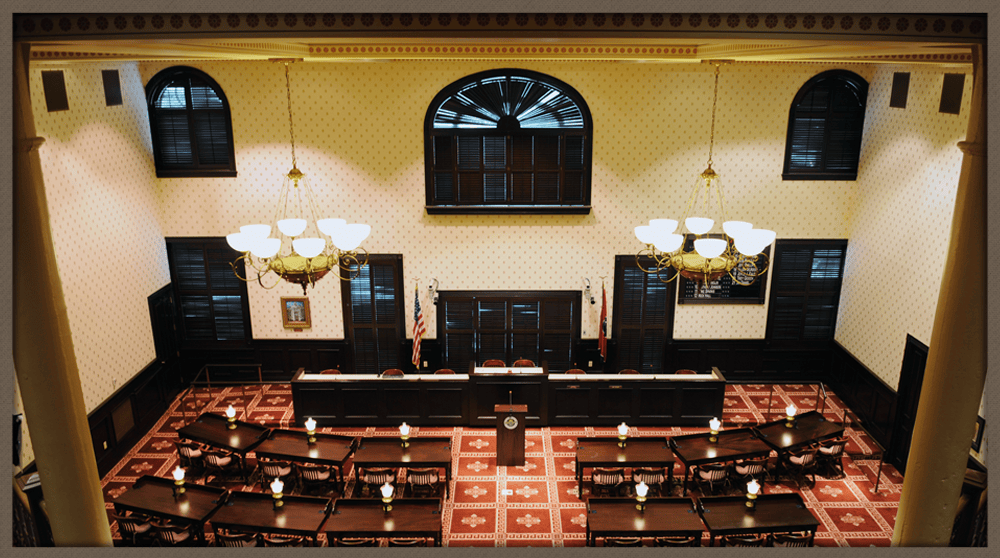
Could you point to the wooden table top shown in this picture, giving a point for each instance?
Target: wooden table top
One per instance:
(255, 511)
(328, 449)
(155, 496)
(696, 449)
(409, 516)
(662, 517)
(389, 451)
(213, 430)
(725, 515)
(809, 427)
(637, 451)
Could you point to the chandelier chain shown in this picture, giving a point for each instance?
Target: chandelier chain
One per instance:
(715, 99)
(291, 126)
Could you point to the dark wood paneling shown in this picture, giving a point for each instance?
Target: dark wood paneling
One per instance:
(280, 358)
(871, 400)
(381, 402)
(658, 403)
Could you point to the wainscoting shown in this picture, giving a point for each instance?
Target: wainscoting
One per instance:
(873, 402)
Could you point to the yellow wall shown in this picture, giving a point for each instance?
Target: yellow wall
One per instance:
(359, 135)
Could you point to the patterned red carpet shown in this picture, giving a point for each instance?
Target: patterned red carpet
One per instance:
(536, 505)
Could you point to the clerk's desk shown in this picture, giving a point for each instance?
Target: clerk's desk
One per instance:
(469, 399)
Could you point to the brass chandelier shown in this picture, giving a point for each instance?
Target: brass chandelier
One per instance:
(737, 252)
(307, 256)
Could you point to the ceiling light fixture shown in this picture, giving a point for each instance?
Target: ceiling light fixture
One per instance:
(737, 252)
(307, 256)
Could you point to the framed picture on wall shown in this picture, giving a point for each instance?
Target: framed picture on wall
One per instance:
(977, 434)
(295, 312)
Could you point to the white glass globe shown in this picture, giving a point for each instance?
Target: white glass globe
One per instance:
(328, 226)
(292, 227)
(265, 247)
(238, 242)
(709, 247)
(256, 231)
(308, 247)
(645, 234)
(699, 225)
(669, 243)
(664, 226)
(349, 237)
(745, 245)
(736, 228)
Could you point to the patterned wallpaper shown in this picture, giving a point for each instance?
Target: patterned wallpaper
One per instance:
(901, 220)
(358, 130)
(105, 222)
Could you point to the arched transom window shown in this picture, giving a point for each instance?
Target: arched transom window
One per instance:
(508, 141)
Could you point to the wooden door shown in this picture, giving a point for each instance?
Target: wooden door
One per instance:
(911, 378)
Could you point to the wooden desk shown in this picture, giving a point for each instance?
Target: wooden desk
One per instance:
(422, 452)
(697, 449)
(155, 496)
(214, 430)
(409, 518)
(663, 517)
(638, 452)
(328, 449)
(775, 513)
(255, 511)
(809, 427)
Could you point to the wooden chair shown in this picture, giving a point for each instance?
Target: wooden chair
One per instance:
(234, 539)
(393, 372)
(623, 541)
(790, 539)
(312, 477)
(189, 454)
(134, 528)
(174, 534)
(221, 463)
(607, 481)
(575, 371)
(801, 462)
(444, 371)
(712, 475)
(685, 371)
(355, 542)
(494, 363)
(272, 469)
(677, 541)
(408, 542)
(283, 541)
(329, 371)
(742, 540)
(830, 457)
(373, 478)
(423, 481)
(627, 371)
(654, 477)
(523, 362)
(747, 469)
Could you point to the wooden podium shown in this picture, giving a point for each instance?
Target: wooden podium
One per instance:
(510, 434)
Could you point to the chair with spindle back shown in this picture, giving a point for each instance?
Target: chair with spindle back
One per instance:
(830, 457)
(407, 542)
(800, 463)
(134, 529)
(235, 539)
(790, 539)
(175, 534)
(623, 541)
(283, 541)
(312, 477)
(349, 542)
(275, 469)
(712, 475)
(742, 540)
(676, 541)
(423, 480)
(654, 477)
(372, 478)
(607, 481)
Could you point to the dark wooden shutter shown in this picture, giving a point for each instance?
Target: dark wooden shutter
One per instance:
(642, 319)
(806, 277)
(373, 314)
(211, 299)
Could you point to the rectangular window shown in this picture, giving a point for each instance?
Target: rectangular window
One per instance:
(475, 326)
(373, 314)
(805, 289)
(643, 316)
(211, 299)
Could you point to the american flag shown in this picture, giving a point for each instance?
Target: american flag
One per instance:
(418, 327)
(602, 337)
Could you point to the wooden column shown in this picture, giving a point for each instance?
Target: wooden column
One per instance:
(956, 359)
(43, 348)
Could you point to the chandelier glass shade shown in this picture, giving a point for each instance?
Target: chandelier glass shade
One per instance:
(299, 252)
(736, 251)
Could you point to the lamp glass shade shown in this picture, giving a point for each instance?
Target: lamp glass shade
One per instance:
(277, 486)
(309, 247)
(349, 237)
(329, 226)
(230, 412)
(265, 247)
(745, 245)
(645, 234)
(404, 429)
(178, 473)
(699, 225)
(664, 226)
(623, 429)
(256, 231)
(292, 227)
(709, 247)
(790, 410)
(239, 242)
(641, 489)
(310, 424)
(669, 242)
(735, 229)
(386, 490)
(714, 424)
(753, 487)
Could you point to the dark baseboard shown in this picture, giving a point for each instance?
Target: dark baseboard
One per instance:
(871, 400)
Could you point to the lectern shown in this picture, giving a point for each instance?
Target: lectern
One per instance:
(510, 434)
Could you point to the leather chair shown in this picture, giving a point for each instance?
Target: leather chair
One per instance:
(444, 371)
(790, 539)
(576, 371)
(494, 363)
(713, 475)
(685, 371)
(329, 371)
(623, 541)
(830, 457)
(423, 481)
(742, 540)
(523, 362)
(134, 529)
(393, 372)
(282, 541)
(355, 542)
(627, 371)
(313, 477)
(233, 539)
(272, 469)
(677, 541)
(607, 481)
(654, 477)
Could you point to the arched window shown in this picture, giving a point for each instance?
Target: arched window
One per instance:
(824, 127)
(190, 124)
(508, 141)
